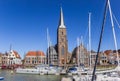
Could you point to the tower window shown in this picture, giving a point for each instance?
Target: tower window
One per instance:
(62, 50)
(62, 39)
(62, 33)
(63, 61)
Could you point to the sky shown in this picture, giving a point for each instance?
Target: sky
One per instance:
(24, 23)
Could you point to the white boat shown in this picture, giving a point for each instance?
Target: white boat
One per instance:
(27, 71)
(53, 70)
(111, 77)
(63, 72)
(82, 78)
(50, 70)
(41, 69)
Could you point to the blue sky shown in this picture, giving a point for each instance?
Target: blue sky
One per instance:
(23, 23)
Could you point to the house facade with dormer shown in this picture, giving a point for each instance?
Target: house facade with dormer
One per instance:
(14, 58)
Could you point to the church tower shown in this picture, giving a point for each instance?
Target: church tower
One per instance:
(62, 42)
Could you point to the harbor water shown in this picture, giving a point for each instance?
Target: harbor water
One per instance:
(8, 76)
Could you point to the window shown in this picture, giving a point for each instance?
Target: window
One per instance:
(102, 61)
(62, 50)
(62, 33)
(63, 61)
(32, 62)
(62, 40)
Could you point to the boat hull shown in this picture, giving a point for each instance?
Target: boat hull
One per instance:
(27, 71)
(1, 78)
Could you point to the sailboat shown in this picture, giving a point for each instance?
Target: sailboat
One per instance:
(84, 74)
(51, 69)
(108, 75)
(76, 69)
(39, 69)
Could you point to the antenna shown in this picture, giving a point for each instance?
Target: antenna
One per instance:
(10, 47)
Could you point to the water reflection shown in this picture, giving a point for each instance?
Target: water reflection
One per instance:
(28, 77)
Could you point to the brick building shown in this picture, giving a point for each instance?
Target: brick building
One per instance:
(33, 58)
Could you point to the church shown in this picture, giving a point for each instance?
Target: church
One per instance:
(58, 54)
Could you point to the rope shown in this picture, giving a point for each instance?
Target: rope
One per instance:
(116, 20)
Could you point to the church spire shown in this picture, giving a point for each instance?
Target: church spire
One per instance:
(61, 22)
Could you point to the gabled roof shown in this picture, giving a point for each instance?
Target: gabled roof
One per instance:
(16, 54)
(107, 52)
(35, 53)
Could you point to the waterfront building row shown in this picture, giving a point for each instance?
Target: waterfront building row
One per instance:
(10, 59)
(34, 58)
(82, 56)
(13, 60)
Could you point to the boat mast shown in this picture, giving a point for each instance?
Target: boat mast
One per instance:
(78, 40)
(114, 35)
(51, 52)
(82, 50)
(81, 56)
(101, 34)
(88, 53)
(48, 45)
(89, 27)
